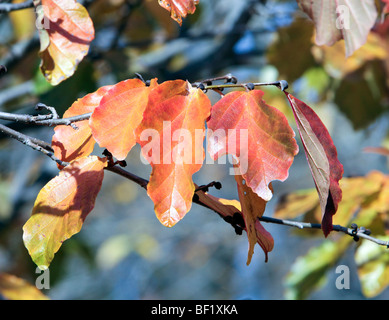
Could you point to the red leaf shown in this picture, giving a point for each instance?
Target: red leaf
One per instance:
(69, 143)
(179, 8)
(114, 121)
(175, 111)
(243, 125)
(351, 21)
(322, 158)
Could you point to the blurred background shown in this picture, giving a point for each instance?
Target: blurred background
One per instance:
(122, 251)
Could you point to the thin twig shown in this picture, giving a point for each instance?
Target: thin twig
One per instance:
(8, 7)
(349, 231)
(44, 120)
(24, 138)
(282, 84)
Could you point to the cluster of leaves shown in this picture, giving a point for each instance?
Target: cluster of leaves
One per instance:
(168, 112)
(173, 111)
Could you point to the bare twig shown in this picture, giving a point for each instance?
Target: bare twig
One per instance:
(282, 85)
(34, 143)
(44, 120)
(8, 7)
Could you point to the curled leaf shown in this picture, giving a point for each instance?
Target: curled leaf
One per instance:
(322, 158)
(253, 208)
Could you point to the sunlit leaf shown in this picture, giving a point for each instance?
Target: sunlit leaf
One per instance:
(65, 31)
(257, 135)
(120, 112)
(175, 121)
(14, 288)
(61, 208)
(297, 203)
(69, 142)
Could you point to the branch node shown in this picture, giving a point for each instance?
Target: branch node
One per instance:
(283, 85)
(205, 188)
(249, 86)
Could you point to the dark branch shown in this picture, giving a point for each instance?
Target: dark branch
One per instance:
(44, 120)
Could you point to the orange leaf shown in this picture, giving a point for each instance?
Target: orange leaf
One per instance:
(61, 208)
(243, 125)
(253, 208)
(69, 143)
(65, 33)
(229, 208)
(120, 112)
(179, 8)
(175, 152)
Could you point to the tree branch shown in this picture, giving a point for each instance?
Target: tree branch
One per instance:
(8, 7)
(354, 232)
(200, 196)
(44, 120)
(221, 210)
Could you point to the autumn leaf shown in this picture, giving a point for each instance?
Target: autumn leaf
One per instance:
(179, 8)
(15, 288)
(70, 143)
(253, 208)
(119, 113)
(61, 208)
(335, 20)
(322, 158)
(259, 136)
(65, 33)
(228, 209)
(174, 119)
